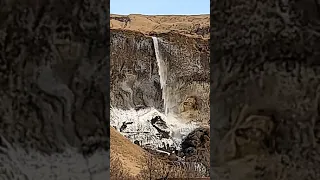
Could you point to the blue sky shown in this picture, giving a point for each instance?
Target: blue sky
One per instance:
(160, 7)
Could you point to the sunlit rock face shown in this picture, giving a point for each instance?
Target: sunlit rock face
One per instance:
(265, 90)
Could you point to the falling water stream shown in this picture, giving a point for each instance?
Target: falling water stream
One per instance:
(162, 73)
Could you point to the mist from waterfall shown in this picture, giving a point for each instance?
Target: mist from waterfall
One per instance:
(162, 73)
(140, 128)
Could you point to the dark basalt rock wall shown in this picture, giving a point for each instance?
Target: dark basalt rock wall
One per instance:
(196, 147)
(265, 89)
(134, 71)
(53, 88)
(135, 80)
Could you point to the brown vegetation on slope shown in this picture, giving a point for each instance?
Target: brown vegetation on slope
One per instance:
(191, 25)
(130, 162)
(128, 154)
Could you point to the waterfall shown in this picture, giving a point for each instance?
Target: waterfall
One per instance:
(162, 73)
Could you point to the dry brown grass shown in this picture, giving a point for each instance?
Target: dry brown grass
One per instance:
(156, 169)
(117, 172)
(187, 25)
(130, 162)
(126, 152)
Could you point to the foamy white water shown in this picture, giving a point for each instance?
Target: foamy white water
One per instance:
(162, 73)
(141, 129)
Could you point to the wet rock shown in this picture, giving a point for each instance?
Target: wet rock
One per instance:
(161, 127)
(137, 142)
(124, 126)
(196, 146)
(190, 151)
(199, 138)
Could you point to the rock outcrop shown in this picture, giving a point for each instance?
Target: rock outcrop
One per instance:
(53, 91)
(196, 147)
(265, 90)
(135, 79)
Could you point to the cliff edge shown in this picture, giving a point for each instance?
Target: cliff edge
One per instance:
(193, 25)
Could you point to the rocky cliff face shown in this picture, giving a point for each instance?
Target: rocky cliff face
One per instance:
(134, 71)
(135, 80)
(53, 89)
(160, 81)
(265, 90)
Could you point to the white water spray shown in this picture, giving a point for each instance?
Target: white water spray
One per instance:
(162, 73)
(141, 129)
